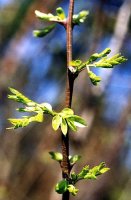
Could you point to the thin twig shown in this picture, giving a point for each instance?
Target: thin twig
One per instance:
(68, 99)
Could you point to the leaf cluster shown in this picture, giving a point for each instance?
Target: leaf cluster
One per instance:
(85, 174)
(64, 119)
(60, 18)
(100, 60)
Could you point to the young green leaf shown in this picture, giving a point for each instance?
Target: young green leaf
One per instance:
(19, 97)
(56, 121)
(90, 175)
(75, 63)
(56, 156)
(61, 187)
(72, 189)
(64, 126)
(93, 77)
(60, 13)
(67, 111)
(83, 172)
(78, 121)
(71, 124)
(95, 56)
(80, 17)
(74, 177)
(110, 62)
(100, 169)
(17, 123)
(46, 107)
(43, 32)
(27, 109)
(38, 118)
(23, 122)
(87, 173)
(74, 159)
(46, 17)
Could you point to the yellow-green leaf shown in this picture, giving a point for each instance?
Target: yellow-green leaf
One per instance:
(56, 156)
(60, 13)
(64, 126)
(43, 32)
(56, 121)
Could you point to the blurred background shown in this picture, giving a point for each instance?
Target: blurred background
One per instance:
(36, 67)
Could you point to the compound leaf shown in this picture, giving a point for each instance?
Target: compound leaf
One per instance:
(19, 97)
(23, 122)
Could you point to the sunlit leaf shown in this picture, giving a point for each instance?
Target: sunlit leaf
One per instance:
(19, 97)
(74, 177)
(56, 156)
(93, 77)
(93, 173)
(111, 62)
(60, 13)
(23, 122)
(64, 127)
(78, 121)
(72, 189)
(83, 172)
(43, 32)
(74, 159)
(67, 111)
(80, 17)
(71, 124)
(46, 17)
(75, 63)
(56, 122)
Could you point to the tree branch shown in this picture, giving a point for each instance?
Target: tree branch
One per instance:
(68, 98)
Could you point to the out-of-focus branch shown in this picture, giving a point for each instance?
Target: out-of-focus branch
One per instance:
(117, 40)
(16, 23)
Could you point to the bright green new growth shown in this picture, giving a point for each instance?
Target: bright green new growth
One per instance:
(59, 157)
(43, 32)
(103, 62)
(60, 17)
(64, 119)
(86, 173)
(77, 18)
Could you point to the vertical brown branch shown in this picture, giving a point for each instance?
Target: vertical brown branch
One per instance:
(68, 98)
(70, 78)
